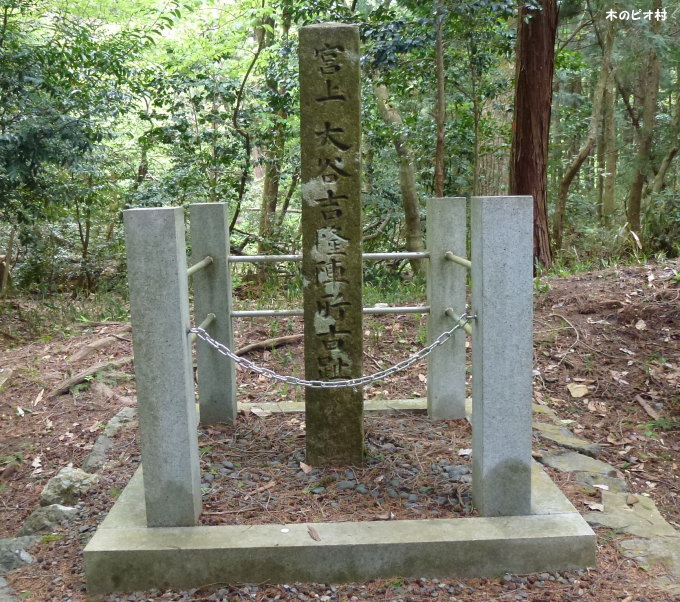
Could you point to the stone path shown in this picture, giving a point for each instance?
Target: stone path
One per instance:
(60, 492)
(655, 541)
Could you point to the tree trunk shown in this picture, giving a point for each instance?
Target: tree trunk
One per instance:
(600, 162)
(610, 155)
(4, 276)
(441, 105)
(643, 160)
(657, 184)
(584, 152)
(270, 191)
(533, 98)
(273, 158)
(407, 178)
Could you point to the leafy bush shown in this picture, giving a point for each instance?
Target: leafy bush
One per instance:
(661, 225)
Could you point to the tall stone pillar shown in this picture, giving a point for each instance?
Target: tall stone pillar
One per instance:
(501, 231)
(330, 140)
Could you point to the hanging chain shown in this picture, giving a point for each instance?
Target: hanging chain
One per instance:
(334, 384)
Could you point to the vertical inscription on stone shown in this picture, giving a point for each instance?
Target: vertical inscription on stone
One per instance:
(330, 141)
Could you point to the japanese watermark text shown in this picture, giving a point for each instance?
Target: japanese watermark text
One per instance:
(637, 15)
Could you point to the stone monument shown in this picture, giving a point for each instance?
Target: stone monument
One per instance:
(330, 141)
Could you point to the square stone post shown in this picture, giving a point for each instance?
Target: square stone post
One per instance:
(212, 294)
(502, 354)
(446, 286)
(330, 142)
(159, 310)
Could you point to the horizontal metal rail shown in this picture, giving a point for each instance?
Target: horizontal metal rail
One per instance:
(206, 261)
(413, 309)
(263, 258)
(207, 322)
(397, 255)
(466, 327)
(262, 313)
(459, 260)
(282, 258)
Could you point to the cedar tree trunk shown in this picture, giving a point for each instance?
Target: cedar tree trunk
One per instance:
(533, 97)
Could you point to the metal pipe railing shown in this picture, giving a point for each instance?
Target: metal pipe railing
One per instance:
(283, 258)
(397, 255)
(263, 258)
(263, 313)
(459, 260)
(206, 261)
(207, 322)
(466, 327)
(413, 309)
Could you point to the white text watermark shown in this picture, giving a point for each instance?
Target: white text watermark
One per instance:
(636, 15)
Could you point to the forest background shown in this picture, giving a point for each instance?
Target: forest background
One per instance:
(111, 105)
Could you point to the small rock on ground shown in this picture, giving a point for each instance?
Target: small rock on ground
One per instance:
(46, 519)
(574, 462)
(67, 486)
(13, 552)
(6, 592)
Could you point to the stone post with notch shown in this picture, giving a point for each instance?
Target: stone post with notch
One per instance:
(330, 139)
(501, 231)
(446, 285)
(159, 311)
(212, 294)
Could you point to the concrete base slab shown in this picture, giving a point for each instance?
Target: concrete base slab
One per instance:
(125, 555)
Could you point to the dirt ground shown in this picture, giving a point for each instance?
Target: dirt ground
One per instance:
(613, 332)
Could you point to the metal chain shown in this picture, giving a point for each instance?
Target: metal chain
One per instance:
(334, 384)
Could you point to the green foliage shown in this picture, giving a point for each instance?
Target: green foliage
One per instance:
(387, 286)
(189, 123)
(106, 106)
(540, 286)
(14, 459)
(661, 224)
(653, 427)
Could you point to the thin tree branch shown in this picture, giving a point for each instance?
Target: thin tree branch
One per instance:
(243, 133)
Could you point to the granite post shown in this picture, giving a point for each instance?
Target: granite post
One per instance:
(212, 294)
(159, 311)
(446, 286)
(502, 354)
(330, 139)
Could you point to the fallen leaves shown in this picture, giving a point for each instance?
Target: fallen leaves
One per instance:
(260, 489)
(577, 390)
(614, 440)
(618, 377)
(313, 533)
(647, 408)
(598, 407)
(5, 375)
(38, 399)
(37, 465)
